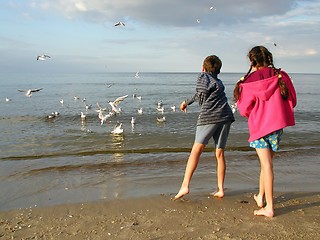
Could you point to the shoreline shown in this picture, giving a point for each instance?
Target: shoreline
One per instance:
(196, 216)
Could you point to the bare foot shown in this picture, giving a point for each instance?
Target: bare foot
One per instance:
(183, 191)
(259, 200)
(264, 212)
(218, 194)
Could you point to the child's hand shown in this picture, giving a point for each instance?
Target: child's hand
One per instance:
(183, 106)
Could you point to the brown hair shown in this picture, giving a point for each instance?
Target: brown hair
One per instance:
(260, 56)
(212, 64)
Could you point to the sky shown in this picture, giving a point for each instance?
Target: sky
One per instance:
(158, 36)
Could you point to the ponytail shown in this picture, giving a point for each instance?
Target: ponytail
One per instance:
(284, 91)
(236, 91)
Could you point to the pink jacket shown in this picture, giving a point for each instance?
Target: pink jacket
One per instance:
(262, 104)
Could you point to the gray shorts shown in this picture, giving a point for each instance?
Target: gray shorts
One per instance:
(219, 132)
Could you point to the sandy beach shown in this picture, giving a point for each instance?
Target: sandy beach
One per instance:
(196, 216)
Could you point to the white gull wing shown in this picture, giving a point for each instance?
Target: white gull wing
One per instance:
(117, 129)
(43, 57)
(119, 24)
(113, 107)
(30, 91)
(100, 108)
(119, 100)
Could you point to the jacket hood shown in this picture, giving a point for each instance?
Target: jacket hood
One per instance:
(262, 89)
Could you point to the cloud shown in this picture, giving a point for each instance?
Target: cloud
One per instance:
(160, 33)
(178, 13)
(311, 52)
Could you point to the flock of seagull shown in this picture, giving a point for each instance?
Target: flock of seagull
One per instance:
(105, 113)
(103, 116)
(114, 104)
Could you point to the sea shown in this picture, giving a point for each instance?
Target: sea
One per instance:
(65, 159)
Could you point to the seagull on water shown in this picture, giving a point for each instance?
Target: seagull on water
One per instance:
(133, 120)
(53, 115)
(43, 57)
(161, 120)
(137, 75)
(140, 111)
(173, 108)
(50, 116)
(88, 106)
(160, 109)
(83, 116)
(8, 99)
(116, 102)
(119, 24)
(117, 129)
(234, 107)
(30, 91)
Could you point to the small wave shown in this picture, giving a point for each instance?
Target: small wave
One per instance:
(117, 151)
(284, 148)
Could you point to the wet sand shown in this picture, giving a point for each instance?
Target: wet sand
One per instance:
(196, 216)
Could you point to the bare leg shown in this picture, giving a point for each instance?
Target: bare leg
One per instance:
(221, 172)
(190, 168)
(265, 156)
(259, 198)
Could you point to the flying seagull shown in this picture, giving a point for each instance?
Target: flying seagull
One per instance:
(30, 91)
(100, 110)
(273, 43)
(43, 57)
(119, 24)
(102, 117)
(116, 102)
(108, 85)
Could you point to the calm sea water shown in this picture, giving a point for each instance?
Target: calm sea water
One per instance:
(51, 161)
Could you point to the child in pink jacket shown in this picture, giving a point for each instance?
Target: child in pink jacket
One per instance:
(266, 96)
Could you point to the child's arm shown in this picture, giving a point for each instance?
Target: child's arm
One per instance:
(245, 104)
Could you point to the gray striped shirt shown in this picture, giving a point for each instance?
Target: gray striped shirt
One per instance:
(212, 100)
